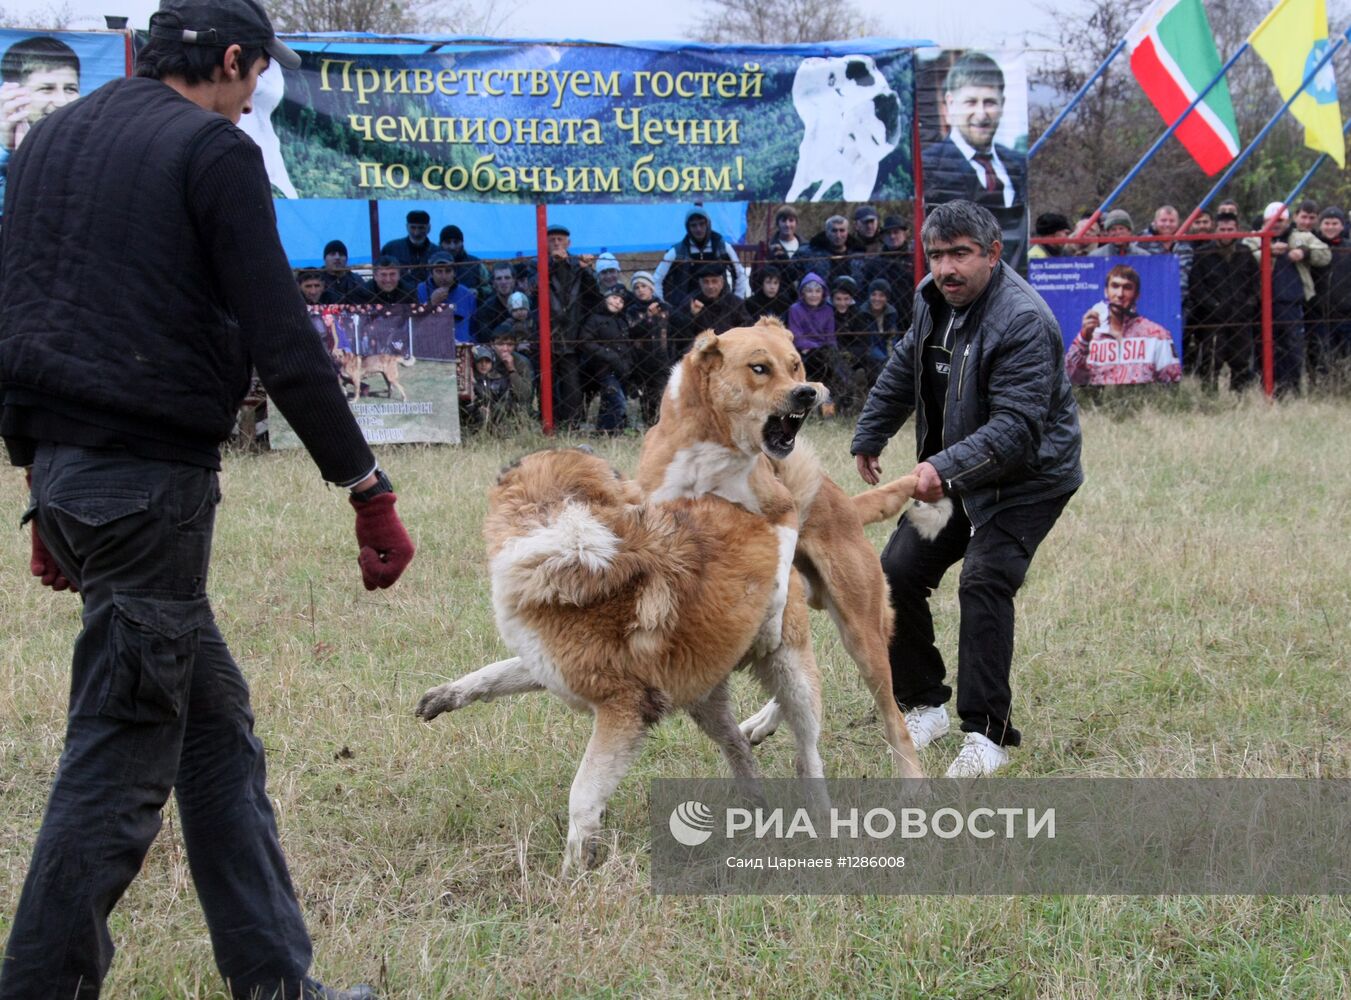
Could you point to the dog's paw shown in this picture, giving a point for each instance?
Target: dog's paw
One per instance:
(444, 698)
(762, 724)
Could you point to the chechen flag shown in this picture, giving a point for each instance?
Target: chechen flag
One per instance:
(1173, 57)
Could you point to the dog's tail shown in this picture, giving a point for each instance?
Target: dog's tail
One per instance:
(567, 561)
(885, 502)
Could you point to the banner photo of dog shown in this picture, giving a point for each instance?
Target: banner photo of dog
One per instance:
(400, 368)
(1120, 317)
(43, 71)
(972, 109)
(522, 122)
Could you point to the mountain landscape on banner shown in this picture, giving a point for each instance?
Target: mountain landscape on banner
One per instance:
(1173, 57)
(1292, 40)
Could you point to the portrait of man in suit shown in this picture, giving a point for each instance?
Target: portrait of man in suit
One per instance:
(962, 160)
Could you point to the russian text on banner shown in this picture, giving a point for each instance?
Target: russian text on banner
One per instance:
(1292, 40)
(1173, 57)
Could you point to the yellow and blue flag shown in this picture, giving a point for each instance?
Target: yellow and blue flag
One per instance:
(1292, 40)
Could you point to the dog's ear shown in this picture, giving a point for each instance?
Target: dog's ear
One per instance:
(706, 351)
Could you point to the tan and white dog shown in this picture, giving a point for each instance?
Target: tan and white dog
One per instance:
(728, 426)
(630, 608)
(357, 366)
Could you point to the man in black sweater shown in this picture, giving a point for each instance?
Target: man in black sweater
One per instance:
(118, 413)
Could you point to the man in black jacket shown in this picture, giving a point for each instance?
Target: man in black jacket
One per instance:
(997, 432)
(340, 284)
(1223, 305)
(715, 308)
(573, 295)
(677, 275)
(411, 252)
(118, 414)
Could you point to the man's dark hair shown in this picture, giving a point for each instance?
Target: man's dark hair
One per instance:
(974, 69)
(1050, 223)
(451, 232)
(386, 261)
(166, 57)
(309, 274)
(31, 54)
(786, 212)
(953, 220)
(1308, 205)
(1123, 271)
(1228, 217)
(504, 266)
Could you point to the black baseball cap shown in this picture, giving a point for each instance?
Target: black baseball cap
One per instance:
(220, 24)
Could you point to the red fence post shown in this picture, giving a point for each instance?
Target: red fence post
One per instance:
(546, 360)
(1268, 350)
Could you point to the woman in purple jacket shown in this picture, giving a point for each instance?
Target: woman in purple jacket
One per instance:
(812, 321)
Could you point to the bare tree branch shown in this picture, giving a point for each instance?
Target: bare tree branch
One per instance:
(781, 21)
(49, 17)
(391, 17)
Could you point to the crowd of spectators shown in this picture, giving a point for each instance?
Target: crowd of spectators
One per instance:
(1220, 281)
(615, 336)
(845, 293)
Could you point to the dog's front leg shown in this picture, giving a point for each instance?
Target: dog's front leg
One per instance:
(771, 630)
(778, 506)
(615, 743)
(496, 679)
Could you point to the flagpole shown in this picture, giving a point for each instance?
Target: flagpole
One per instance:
(1177, 123)
(1266, 129)
(1322, 158)
(1076, 98)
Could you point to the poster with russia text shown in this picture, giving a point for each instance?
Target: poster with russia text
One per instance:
(1120, 316)
(528, 122)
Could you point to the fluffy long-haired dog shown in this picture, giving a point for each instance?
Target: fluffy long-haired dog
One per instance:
(630, 609)
(728, 427)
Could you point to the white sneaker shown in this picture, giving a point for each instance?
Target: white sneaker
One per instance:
(926, 724)
(978, 758)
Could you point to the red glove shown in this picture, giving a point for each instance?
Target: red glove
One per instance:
(40, 562)
(385, 546)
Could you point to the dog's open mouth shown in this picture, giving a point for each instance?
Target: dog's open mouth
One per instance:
(780, 432)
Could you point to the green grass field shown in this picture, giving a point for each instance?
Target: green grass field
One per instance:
(1187, 617)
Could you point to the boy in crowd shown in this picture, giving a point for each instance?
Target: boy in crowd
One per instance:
(442, 288)
(605, 356)
(647, 318)
(772, 296)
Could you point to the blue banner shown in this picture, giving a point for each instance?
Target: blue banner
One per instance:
(41, 71)
(526, 122)
(1120, 317)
